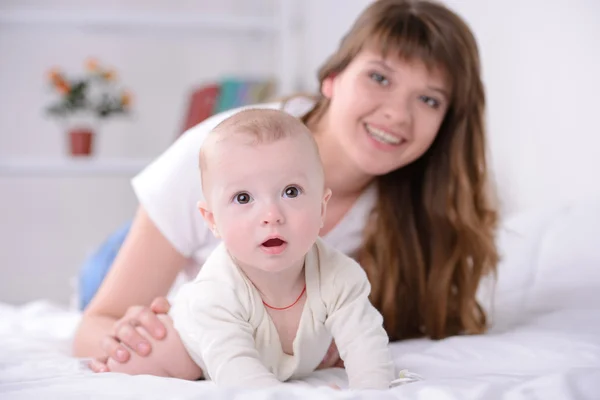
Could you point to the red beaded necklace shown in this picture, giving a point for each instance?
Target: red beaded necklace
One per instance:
(290, 306)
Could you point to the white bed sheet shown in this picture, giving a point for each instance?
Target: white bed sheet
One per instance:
(554, 355)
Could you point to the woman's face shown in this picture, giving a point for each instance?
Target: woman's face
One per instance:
(384, 113)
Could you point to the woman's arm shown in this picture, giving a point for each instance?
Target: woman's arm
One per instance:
(145, 268)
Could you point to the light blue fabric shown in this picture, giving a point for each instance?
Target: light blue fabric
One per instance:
(94, 269)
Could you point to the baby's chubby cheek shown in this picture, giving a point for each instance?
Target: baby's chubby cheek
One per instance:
(238, 239)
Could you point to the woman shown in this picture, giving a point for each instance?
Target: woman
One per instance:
(399, 124)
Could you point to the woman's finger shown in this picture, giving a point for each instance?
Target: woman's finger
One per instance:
(130, 318)
(160, 305)
(130, 337)
(114, 349)
(150, 322)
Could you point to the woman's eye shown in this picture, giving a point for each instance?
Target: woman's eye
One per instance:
(242, 198)
(291, 192)
(430, 101)
(380, 79)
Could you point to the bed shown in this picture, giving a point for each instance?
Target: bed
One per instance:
(544, 343)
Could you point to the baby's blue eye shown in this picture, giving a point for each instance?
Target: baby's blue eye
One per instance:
(242, 198)
(382, 80)
(291, 192)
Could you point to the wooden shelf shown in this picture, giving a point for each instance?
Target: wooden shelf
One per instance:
(128, 20)
(71, 167)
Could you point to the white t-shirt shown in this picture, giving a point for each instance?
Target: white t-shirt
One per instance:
(228, 332)
(169, 190)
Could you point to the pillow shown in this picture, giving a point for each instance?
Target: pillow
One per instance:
(518, 239)
(569, 261)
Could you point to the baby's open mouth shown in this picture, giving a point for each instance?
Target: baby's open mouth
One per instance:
(274, 246)
(273, 243)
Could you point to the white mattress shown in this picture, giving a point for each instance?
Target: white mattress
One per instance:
(545, 343)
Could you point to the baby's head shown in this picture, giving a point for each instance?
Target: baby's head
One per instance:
(264, 188)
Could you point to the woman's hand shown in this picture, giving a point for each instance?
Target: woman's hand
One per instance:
(332, 358)
(125, 337)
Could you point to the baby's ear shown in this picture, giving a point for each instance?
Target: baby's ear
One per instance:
(209, 217)
(326, 197)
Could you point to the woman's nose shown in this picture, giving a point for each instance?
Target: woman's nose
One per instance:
(399, 112)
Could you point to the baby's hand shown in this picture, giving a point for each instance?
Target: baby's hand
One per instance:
(136, 365)
(99, 365)
(404, 377)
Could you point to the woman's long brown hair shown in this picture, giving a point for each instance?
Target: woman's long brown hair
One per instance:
(430, 239)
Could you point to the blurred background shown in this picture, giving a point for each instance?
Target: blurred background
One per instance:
(152, 68)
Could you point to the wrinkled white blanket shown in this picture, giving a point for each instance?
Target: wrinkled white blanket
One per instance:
(545, 343)
(553, 356)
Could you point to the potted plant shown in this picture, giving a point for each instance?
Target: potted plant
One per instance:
(83, 101)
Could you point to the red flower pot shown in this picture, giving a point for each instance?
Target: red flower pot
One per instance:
(81, 141)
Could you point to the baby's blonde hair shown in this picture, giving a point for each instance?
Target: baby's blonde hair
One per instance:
(260, 126)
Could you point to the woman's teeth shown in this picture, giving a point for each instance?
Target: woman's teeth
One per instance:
(382, 136)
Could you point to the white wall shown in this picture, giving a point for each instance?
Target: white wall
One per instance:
(48, 227)
(324, 24)
(49, 223)
(541, 61)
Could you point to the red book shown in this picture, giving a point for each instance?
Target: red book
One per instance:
(201, 106)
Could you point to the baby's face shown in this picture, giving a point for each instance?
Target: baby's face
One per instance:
(267, 200)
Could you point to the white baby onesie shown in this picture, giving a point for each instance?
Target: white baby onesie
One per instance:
(227, 331)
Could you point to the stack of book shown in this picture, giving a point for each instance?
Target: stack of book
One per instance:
(221, 96)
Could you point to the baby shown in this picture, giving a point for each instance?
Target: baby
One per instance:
(267, 303)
